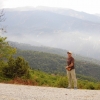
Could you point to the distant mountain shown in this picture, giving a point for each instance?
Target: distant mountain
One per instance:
(36, 21)
(63, 11)
(72, 13)
(54, 27)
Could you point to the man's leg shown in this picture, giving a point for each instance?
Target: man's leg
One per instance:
(69, 79)
(73, 74)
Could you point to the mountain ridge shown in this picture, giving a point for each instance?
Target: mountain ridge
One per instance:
(50, 28)
(51, 50)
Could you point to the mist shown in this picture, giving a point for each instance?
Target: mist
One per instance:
(79, 43)
(59, 29)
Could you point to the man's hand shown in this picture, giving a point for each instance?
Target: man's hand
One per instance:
(68, 68)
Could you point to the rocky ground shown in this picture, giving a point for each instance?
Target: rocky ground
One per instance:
(23, 92)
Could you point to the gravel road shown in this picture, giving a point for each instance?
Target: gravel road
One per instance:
(24, 92)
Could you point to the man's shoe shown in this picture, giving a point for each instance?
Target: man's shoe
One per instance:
(75, 88)
(68, 87)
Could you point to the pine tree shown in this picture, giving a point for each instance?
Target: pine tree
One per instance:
(16, 68)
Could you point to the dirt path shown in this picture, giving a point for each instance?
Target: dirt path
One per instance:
(22, 92)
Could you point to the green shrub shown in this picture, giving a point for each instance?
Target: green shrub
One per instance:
(97, 87)
(16, 68)
(62, 82)
(90, 85)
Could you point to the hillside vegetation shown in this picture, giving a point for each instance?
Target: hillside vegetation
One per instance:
(15, 69)
(58, 51)
(42, 68)
(55, 64)
(40, 78)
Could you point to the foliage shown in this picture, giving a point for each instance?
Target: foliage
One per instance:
(43, 79)
(53, 63)
(89, 78)
(2, 19)
(16, 68)
(40, 78)
(5, 49)
(50, 63)
(50, 50)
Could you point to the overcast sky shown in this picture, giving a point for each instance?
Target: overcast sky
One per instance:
(89, 6)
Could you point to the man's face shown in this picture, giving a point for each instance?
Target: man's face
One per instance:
(69, 54)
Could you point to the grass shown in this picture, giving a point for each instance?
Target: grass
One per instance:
(39, 78)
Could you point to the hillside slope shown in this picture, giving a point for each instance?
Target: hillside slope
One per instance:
(53, 63)
(58, 51)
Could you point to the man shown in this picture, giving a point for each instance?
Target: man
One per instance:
(71, 71)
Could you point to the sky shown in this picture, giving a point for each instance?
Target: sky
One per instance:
(88, 6)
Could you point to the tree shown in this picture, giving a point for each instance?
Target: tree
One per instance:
(2, 19)
(16, 68)
(2, 16)
(5, 49)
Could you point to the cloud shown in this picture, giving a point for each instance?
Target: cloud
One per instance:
(2, 3)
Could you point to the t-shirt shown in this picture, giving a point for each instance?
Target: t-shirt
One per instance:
(69, 61)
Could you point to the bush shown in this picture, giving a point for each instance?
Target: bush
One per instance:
(62, 82)
(90, 85)
(16, 68)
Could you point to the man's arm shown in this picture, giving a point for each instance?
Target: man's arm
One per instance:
(71, 64)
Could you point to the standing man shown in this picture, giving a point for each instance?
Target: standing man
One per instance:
(71, 71)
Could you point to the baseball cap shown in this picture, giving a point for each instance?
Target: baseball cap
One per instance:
(69, 52)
